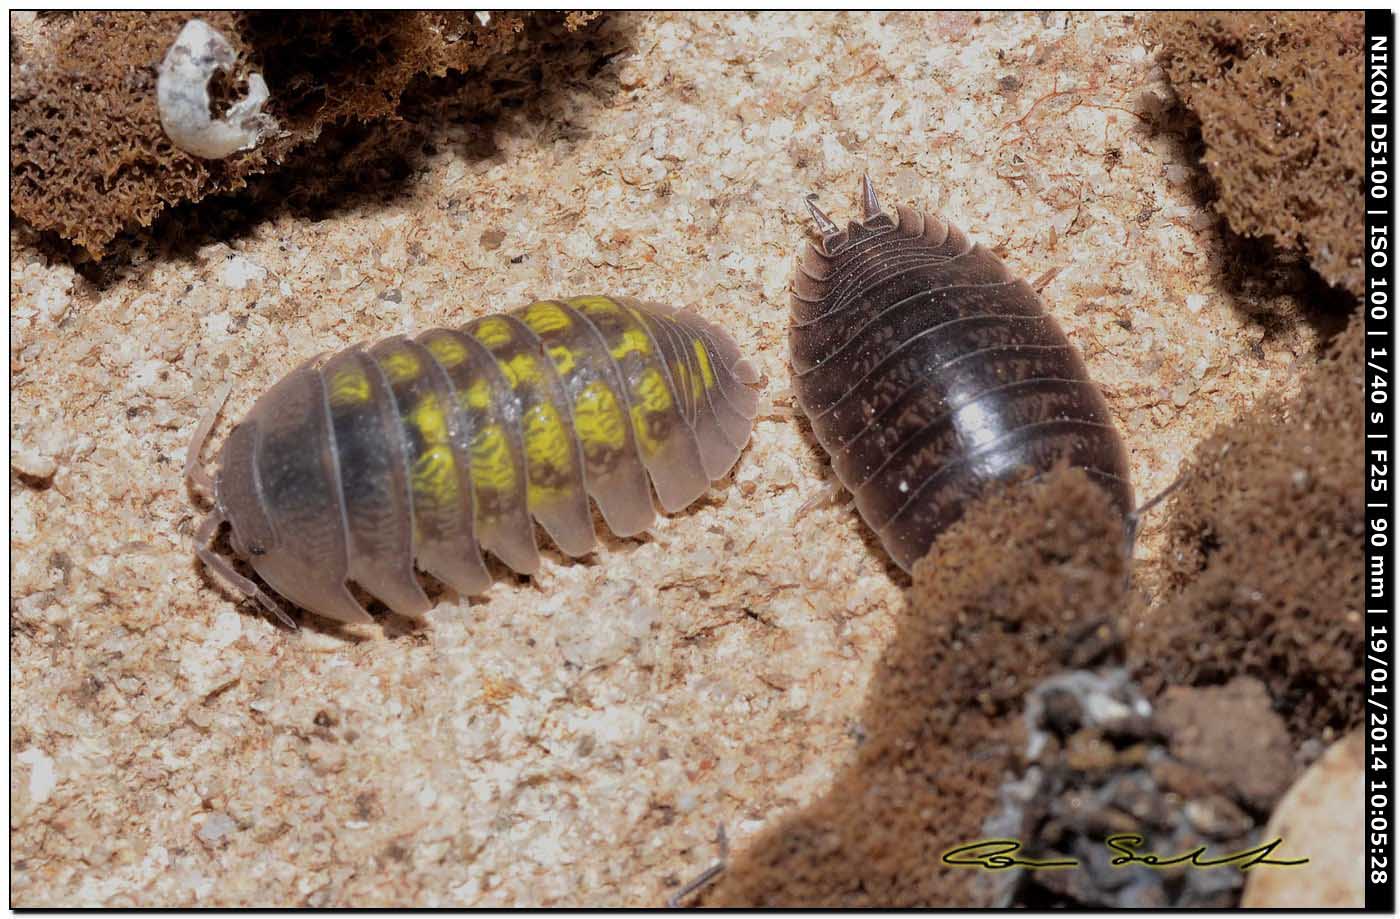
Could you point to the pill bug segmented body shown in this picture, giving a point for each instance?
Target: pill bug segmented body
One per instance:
(430, 449)
(928, 372)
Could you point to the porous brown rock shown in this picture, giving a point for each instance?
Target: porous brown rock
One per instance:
(1280, 112)
(90, 158)
(1262, 541)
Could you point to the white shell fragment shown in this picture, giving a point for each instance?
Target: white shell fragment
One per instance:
(182, 94)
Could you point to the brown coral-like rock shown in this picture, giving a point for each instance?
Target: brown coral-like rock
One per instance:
(90, 158)
(1261, 551)
(1280, 110)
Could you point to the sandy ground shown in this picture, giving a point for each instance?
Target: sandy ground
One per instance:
(576, 739)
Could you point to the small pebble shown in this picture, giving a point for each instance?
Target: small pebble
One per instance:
(215, 827)
(1218, 817)
(228, 626)
(41, 774)
(239, 272)
(30, 462)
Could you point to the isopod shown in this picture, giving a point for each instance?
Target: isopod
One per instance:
(929, 372)
(429, 450)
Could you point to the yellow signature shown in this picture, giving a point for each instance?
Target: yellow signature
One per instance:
(1000, 854)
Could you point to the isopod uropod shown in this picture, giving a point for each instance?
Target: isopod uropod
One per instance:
(430, 449)
(929, 372)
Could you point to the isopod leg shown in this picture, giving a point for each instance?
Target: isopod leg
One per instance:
(1133, 522)
(194, 469)
(220, 566)
(706, 877)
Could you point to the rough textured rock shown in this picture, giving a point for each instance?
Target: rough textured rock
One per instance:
(1279, 108)
(1254, 585)
(89, 155)
(1232, 734)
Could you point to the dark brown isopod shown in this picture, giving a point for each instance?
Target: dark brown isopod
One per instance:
(929, 372)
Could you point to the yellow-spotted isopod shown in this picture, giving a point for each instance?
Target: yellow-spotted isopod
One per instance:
(428, 450)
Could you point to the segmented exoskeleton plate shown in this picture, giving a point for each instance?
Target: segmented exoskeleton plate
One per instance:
(428, 450)
(928, 372)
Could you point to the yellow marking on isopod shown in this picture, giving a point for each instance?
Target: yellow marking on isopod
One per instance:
(434, 473)
(349, 386)
(447, 351)
(430, 420)
(400, 366)
(492, 468)
(598, 305)
(650, 446)
(656, 395)
(492, 332)
(703, 356)
(521, 370)
(434, 478)
(563, 358)
(634, 339)
(681, 371)
(653, 399)
(598, 419)
(547, 447)
(544, 317)
(477, 396)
